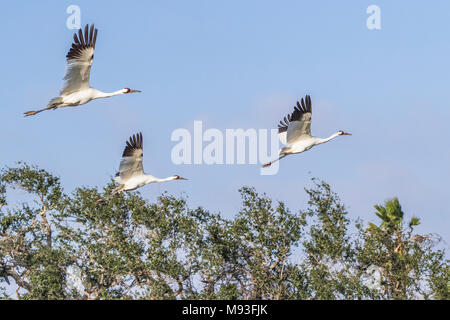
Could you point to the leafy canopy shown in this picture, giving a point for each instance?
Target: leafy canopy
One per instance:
(55, 245)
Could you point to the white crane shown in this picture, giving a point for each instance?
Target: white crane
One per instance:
(131, 172)
(295, 131)
(76, 90)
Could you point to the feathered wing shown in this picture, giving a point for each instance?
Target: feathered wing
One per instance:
(282, 135)
(131, 163)
(297, 124)
(79, 61)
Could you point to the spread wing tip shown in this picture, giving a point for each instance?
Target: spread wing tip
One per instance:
(303, 106)
(82, 41)
(135, 143)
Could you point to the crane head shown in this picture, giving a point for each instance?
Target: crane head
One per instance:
(128, 90)
(177, 177)
(342, 133)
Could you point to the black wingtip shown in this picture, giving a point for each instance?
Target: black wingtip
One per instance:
(135, 142)
(303, 106)
(82, 40)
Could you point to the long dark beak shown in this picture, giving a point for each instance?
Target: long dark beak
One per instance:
(135, 91)
(181, 178)
(347, 134)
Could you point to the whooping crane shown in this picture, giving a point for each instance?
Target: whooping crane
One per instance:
(295, 131)
(131, 173)
(76, 90)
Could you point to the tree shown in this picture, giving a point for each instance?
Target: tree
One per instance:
(55, 245)
(408, 266)
(258, 243)
(329, 270)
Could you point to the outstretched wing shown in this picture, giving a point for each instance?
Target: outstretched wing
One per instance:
(79, 61)
(297, 124)
(131, 164)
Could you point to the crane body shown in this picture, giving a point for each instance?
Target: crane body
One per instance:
(131, 174)
(294, 131)
(76, 90)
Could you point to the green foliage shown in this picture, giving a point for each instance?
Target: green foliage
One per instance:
(391, 213)
(263, 239)
(329, 270)
(404, 261)
(60, 246)
(2, 196)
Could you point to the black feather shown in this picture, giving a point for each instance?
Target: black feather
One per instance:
(302, 107)
(134, 144)
(82, 41)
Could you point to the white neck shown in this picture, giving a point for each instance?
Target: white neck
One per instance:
(108, 94)
(152, 179)
(334, 135)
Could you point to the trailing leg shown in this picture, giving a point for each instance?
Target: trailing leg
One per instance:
(113, 193)
(53, 104)
(270, 163)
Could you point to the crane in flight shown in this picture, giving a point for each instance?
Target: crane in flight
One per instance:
(131, 172)
(76, 90)
(294, 131)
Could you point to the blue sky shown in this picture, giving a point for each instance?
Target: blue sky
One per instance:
(235, 64)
